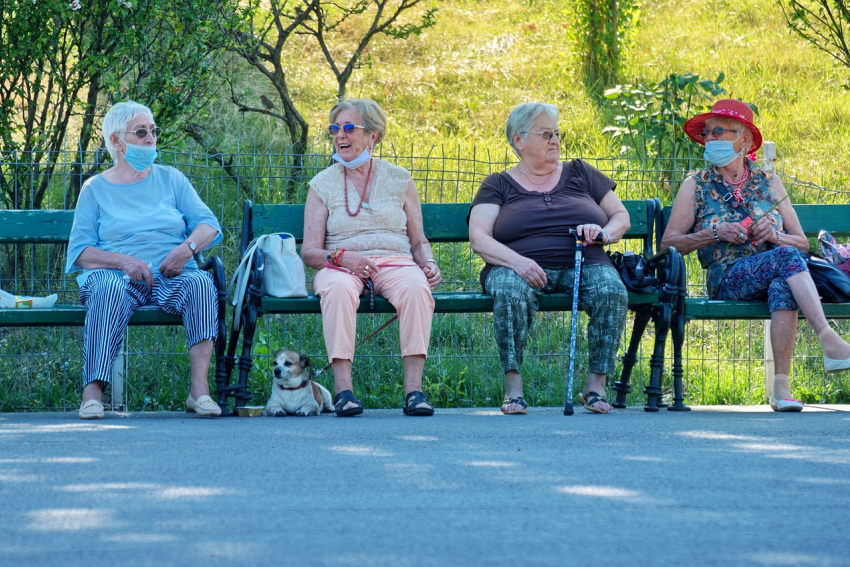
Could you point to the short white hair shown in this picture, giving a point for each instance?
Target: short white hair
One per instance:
(373, 116)
(522, 119)
(116, 120)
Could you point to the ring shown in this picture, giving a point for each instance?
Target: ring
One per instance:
(740, 235)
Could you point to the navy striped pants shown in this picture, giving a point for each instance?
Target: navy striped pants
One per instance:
(110, 300)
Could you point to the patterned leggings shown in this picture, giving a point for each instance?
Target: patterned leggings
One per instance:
(763, 276)
(602, 296)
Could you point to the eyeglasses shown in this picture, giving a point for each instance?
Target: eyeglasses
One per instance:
(347, 128)
(142, 133)
(547, 134)
(717, 131)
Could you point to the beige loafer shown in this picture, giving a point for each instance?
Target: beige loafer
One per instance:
(204, 406)
(91, 409)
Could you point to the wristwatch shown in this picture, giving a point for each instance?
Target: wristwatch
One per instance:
(192, 246)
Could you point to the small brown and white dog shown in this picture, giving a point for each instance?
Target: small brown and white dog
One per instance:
(293, 391)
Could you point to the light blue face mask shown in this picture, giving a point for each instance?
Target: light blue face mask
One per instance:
(356, 162)
(140, 157)
(721, 152)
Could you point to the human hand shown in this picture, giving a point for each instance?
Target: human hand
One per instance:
(589, 233)
(359, 264)
(533, 274)
(732, 232)
(762, 231)
(175, 261)
(137, 270)
(432, 272)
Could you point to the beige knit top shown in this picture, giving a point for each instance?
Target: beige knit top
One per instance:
(380, 230)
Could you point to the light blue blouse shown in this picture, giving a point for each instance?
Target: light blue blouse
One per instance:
(145, 220)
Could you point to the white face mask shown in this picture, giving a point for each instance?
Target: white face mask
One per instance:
(356, 162)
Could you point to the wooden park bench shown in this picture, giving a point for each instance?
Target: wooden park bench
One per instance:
(834, 218)
(39, 227)
(447, 223)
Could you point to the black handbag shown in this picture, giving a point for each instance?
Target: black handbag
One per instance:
(634, 272)
(832, 283)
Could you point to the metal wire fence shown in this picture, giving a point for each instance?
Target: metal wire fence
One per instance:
(40, 368)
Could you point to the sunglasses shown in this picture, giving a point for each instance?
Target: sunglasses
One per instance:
(717, 131)
(347, 128)
(143, 132)
(547, 134)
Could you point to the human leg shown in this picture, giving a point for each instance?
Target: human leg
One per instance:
(514, 306)
(604, 298)
(109, 301)
(340, 296)
(406, 288)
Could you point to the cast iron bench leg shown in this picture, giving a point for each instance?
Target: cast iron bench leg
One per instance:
(622, 387)
(663, 315)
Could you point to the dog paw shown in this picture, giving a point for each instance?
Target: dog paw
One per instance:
(276, 412)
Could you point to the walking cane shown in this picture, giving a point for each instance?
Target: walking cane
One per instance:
(568, 408)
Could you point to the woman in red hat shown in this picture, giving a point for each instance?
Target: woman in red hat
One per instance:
(760, 261)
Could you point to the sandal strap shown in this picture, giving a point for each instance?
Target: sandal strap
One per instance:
(518, 401)
(415, 398)
(341, 399)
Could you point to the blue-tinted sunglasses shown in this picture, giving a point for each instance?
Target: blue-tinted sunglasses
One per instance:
(347, 128)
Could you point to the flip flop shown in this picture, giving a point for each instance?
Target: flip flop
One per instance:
(591, 398)
(518, 401)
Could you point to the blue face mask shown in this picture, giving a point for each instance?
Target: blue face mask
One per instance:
(721, 152)
(140, 157)
(356, 162)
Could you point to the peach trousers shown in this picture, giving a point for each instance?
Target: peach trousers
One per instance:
(406, 288)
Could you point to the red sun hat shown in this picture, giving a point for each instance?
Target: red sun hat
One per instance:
(726, 108)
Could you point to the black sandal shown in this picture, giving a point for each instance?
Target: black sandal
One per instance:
(589, 401)
(341, 399)
(412, 400)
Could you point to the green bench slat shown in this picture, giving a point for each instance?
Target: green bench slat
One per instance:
(445, 302)
(39, 227)
(444, 222)
(702, 308)
(74, 316)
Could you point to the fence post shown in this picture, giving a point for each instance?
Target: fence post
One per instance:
(769, 165)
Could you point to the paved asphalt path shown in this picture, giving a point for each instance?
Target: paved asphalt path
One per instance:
(717, 486)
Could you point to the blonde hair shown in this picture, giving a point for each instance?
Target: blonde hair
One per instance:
(373, 116)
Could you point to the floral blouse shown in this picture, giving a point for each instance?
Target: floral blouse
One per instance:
(710, 209)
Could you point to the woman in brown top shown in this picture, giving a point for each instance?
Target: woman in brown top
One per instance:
(519, 224)
(363, 229)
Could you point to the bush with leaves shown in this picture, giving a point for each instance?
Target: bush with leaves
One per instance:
(823, 23)
(600, 32)
(650, 119)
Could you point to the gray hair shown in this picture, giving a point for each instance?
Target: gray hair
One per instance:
(373, 116)
(522, 119)
(116, 120)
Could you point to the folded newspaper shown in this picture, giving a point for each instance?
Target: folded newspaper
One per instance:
(26, 302)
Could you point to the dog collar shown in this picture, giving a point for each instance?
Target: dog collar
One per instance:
(304, 383)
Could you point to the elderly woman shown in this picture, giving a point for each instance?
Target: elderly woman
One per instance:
(759, 261)
(520, 223)
(136, 229)
(363, 230)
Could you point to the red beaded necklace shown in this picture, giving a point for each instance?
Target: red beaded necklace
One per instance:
(737, 185)
(361, 195)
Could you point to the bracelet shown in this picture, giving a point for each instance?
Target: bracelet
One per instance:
(714, 230)
(430, 260)
(778, 237)
(607, 236)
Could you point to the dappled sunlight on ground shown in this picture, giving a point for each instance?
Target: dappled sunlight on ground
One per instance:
(495, 464)
(18, 428)
(796, 559)
(138, 538)
(419, 476)
(417, 438)
(47, 460)
(645, 459)
(153, 490)
(361, 451)
(71, 519)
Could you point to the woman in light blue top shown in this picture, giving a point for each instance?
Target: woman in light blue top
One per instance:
(136, 229)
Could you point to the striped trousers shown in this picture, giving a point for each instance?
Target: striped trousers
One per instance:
(110, 300)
